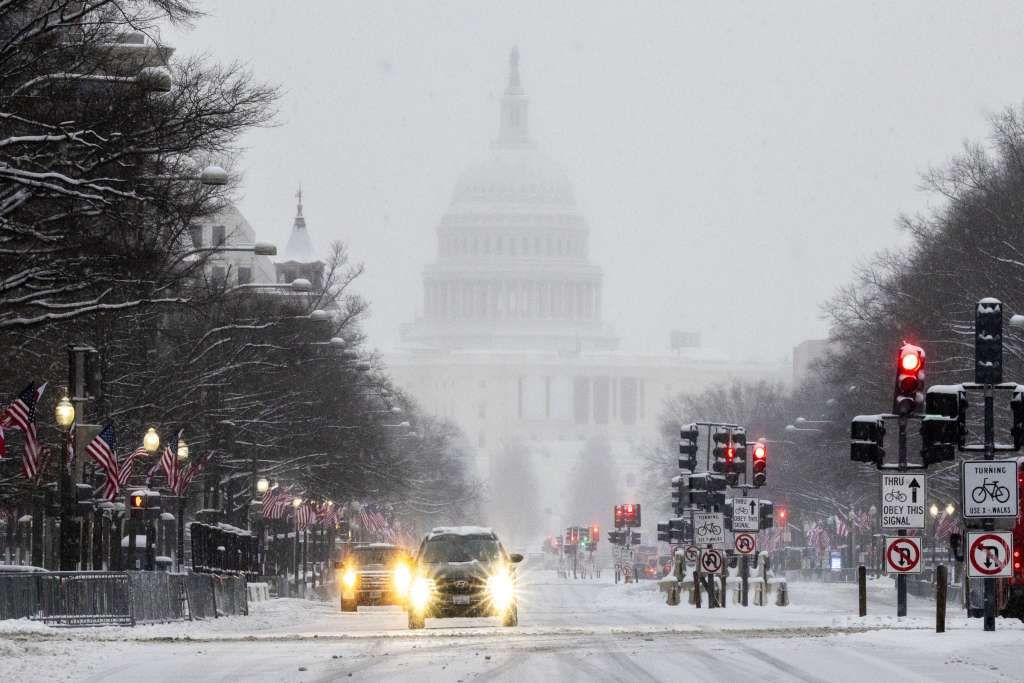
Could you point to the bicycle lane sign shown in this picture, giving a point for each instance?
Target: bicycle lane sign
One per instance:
(989, 488)
(709, 529)
(903, 501)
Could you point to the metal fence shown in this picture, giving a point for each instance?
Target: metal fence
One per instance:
(94, 598)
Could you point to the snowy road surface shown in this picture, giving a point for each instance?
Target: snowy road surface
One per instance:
(568, 631)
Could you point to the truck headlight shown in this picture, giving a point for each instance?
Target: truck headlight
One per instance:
(348, 579)
(402, 579)
(421, 592)
(501, 589)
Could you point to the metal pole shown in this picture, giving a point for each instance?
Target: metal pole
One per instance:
(901, 578)
(989, 522)
(67, 561)
(744, 580)
(940, 598)
(295, 555)
(181, 532)
(862, 591)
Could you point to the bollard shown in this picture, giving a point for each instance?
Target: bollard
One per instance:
(696, 589)
(724, 596)
(941, 585)
(782, 595)
(744, 581)
(862, 591)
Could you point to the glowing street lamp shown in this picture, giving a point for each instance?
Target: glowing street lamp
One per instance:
(263, 485)
(151, 441)
(64, 413)
(182, 450)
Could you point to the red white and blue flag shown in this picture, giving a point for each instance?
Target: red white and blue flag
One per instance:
(305, 517)
(275, 503)
(21, 415)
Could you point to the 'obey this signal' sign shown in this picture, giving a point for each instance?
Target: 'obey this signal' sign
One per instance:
(903, 497)
(902, 555)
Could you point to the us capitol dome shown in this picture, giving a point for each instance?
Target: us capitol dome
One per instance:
(512, 269)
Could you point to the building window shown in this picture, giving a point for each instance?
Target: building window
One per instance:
(197, 236)
(244, 275)
(219, 275)
(218, 236)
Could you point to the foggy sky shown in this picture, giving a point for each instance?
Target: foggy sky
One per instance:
(734, 160)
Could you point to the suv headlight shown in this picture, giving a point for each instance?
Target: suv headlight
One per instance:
(421, 593)
(402, 579)
(501, 589)
(348, 579)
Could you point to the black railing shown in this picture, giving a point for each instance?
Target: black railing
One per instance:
(94, 598)
(224, 550)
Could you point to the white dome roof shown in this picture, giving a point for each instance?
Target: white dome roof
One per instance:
(514, 176)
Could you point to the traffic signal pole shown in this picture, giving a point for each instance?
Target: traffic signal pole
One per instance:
(901, 578)
(989, 522)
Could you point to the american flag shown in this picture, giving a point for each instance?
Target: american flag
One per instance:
(184, 477)
(124, 474)
(21, 415)
(275, 503)
(374, 521)
(305, 517)
(327, 514)
(169, 463)
(946, 525)
(862, 520)
(842, 530)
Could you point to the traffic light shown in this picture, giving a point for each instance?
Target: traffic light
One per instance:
(766, 513)
(951, 401)
(867, 435)
(723, 452)
(739, 451)
(938, 439)
(620, 516)
(634, 538)
(677, 529)
(907, 396)
(988, 342)
(688, 447)
(1017, 407)
(760, 453)
(783, 515)
(137, 505)
(664, 533)
(595, 534)
(680, 493)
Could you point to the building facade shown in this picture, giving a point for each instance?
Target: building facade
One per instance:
(511, 342)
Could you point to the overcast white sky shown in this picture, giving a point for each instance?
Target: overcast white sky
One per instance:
(734, 159)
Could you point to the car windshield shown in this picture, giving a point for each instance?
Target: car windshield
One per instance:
(375, 555)
(442, 549)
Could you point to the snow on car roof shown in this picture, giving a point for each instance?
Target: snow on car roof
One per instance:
(462, 531)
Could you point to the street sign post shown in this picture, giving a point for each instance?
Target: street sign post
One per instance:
(989, 554)
(745, 543)
(989, 488)
(711, 561)
(903, 501)
(745, 514)
(709, 529)
(902, 555)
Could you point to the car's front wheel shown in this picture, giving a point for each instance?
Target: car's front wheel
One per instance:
(511, 616)
(416, 620)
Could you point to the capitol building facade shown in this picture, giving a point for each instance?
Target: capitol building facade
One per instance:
(511, 342)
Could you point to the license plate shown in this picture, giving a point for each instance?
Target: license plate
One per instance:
(374, 594)
(460, 599)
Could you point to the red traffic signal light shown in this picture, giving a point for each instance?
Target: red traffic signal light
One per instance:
(760, 452)
(760, 463)
(595, 533)
(782, 516)
(909, 379)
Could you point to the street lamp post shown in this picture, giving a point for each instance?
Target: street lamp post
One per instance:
(179, 558)
(64, 415)
(151, 443)
(262, 486)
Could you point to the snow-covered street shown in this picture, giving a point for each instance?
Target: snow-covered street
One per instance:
(568, 631)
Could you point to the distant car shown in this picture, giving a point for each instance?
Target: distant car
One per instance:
(463, 572)
(375, 574)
